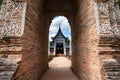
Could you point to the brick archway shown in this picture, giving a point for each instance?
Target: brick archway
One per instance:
(82, 27)
(34, 41)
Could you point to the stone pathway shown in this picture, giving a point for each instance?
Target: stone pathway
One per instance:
(59, 70)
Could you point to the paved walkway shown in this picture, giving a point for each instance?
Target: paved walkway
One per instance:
(59, 70)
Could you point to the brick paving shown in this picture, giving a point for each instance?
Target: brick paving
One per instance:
(59, 70)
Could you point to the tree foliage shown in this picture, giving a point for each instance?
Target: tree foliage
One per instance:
(67, 40)
(1, 2)
(119, 3)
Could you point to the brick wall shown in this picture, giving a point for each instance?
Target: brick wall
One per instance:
(85, 60)
(34, 53)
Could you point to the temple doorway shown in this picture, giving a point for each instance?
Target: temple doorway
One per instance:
(59, 49)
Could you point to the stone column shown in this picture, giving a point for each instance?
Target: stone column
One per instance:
(54, 48)
(70, 49)
(49, 48)
(64, 47)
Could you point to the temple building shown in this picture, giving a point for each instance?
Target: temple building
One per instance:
(60, 45)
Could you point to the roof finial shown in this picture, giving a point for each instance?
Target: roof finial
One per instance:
(59, 26)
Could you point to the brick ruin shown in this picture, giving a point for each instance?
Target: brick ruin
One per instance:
(24, 26)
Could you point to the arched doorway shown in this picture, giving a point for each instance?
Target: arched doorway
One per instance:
(35, 38)
(59, 37)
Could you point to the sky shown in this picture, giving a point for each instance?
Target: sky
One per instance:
(64, 24)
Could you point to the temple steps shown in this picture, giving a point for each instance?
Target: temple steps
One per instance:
(5, 77)
(7, 68)
(113, 73)
(113, 78)
(111, 69)
(109, 51)
(10, 56)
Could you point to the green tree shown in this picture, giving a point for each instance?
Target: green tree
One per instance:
(67, 40)
(119, 3)
(1, 2)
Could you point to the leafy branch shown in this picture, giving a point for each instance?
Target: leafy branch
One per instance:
(119, 3)
(1, 2)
